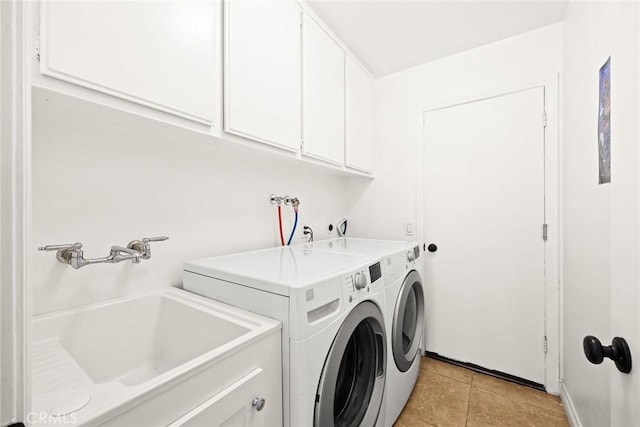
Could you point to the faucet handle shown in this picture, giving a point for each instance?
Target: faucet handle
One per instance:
(66, 252)
(155, 239)
(143, 245)
(75, 246)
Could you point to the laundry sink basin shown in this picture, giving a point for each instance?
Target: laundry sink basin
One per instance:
(89, 360)
(133, 341)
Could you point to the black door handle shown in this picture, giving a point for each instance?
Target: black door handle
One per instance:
(432, 247)
(618, 351)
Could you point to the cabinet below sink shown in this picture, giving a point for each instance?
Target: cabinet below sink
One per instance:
(166, 358)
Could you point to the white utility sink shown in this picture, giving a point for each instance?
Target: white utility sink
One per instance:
(90, 361)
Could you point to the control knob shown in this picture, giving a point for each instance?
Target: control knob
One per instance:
(360, 280)
(411, 256)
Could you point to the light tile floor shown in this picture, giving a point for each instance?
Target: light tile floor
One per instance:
(448, 395)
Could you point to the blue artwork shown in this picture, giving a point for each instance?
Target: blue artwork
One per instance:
(604, 123)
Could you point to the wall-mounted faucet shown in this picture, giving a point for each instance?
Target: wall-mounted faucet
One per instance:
(73, 255)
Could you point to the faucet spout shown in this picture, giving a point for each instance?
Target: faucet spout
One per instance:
(120, 253)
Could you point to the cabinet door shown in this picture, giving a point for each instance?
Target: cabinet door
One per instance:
(234, 406)
(359, 118)
(262, 71)
(159, 54)
(323, 94)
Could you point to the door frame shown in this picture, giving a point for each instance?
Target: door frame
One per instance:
(15, 201)
(552, 252)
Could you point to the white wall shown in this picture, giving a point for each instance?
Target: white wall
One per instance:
(600, 221)
(99, 179)
(382, 207)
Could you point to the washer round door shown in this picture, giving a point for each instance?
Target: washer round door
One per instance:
(408, 321)
(352, 381)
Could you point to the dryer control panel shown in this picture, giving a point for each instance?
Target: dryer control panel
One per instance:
(397, 265)
(361, 282)
(412, 255)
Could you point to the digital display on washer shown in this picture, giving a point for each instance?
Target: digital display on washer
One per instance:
(416, 252)
(374, 272)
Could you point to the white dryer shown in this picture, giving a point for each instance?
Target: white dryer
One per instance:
(334, 338)
(405, 325)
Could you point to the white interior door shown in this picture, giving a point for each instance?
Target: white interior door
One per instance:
(625, 214)
(484, 210)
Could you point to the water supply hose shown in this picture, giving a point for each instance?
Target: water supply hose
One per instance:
(295, 223)
(280, 224)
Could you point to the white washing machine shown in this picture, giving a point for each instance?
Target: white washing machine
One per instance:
(405, 327)
(334, 339)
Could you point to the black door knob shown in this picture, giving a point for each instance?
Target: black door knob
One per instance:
(618, 351)
(432, 247)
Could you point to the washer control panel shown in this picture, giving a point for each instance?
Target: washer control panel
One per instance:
(360, 282)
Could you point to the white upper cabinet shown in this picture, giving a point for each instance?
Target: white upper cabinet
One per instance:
(262, 71)
(164, 55)
(322, 94)
(359, 117)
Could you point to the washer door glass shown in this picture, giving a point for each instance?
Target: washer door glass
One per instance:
(408, 321)
(352, 381)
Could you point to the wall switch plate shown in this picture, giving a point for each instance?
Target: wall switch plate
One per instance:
(408, 229)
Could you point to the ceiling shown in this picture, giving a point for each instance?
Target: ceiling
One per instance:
(389, 36)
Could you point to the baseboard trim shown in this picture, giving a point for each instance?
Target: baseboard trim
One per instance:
(481, 369)
(569, 408)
